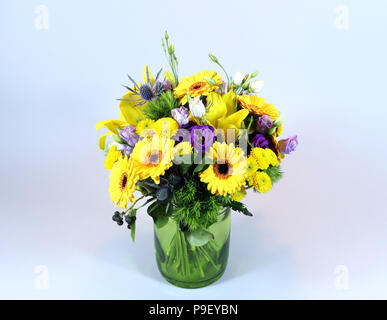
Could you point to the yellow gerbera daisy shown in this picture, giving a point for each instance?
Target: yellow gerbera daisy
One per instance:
(152, 157)
(262, 182)
(258, 106)
(261, 157)
(196, 85)
(120, 183)
(228, 172)
(143, 126)
(112, 156)
(239, 195)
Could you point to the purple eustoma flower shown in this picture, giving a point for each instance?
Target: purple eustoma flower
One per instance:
(264, 123)
(261, 141)
(181, 115)
(202, 137)
(129, 135)
(165, 84)
(288, 145)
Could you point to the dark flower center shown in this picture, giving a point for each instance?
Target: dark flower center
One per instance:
(146, 92)
(197, 85)
(154, 158)
(124, 181)
(222, 170)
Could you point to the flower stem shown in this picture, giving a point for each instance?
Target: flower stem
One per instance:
(207, 256)
(195, 254)
(185, 253)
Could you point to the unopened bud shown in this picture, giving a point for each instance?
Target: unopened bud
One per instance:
(213, 58)
(210, 81)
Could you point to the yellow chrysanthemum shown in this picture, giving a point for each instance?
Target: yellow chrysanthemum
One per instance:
(252, 167)
(152, 157)
(258, 106)
(262, 182)
(272, 157)
(228, 172)
(165, 127)
(239, 195)
(261, 157)
(112, 156)
(143, 126)
(120, 182)
(196, 85)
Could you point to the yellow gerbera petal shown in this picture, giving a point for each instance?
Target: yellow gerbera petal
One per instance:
(112, 157)
(196, 85)
(258, 106)
(228, 173)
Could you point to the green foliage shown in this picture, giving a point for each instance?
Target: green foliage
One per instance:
(161, 107)
(159, 211)
(195, 206)
(274, 173)
(234, 205)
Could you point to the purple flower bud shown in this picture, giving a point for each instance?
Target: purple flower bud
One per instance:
(166, 84)
(181, 115)
(127, 150)
(260, 141)
(129, 135)
(288, 145)
(264, 123)
(202, 137)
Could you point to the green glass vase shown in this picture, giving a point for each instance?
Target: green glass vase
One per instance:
(192, 266)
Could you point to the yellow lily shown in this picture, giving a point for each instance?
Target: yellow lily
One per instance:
(130, 113)
(221, 113)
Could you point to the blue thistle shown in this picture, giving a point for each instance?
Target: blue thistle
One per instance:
(147, 91)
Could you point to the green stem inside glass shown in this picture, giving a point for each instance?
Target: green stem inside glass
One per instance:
(189, 266)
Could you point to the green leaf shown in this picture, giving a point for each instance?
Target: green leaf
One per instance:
(157, 210)
(274, 173)
(133, 231)
(235, 205)
(199, 237)
(133, 227)
(161, 107)
(201, 167)
(184, 168)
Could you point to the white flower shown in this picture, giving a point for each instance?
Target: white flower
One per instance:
(256, 86)
(238, 78)
(197, 107)
(119, 146)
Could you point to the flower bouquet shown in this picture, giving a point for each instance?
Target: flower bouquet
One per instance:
(191, 148)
